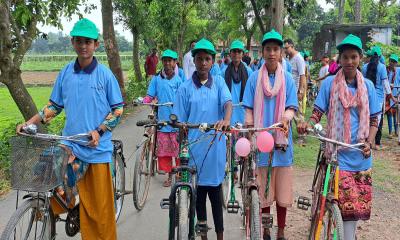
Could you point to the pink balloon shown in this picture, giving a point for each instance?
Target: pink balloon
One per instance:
(242, 147)
(265, 142)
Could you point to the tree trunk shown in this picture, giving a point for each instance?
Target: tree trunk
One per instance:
(341, 11)
(258, 17)
(276, 14)
(111, 45)
(136, 62)
(10, 73)
(357, 11)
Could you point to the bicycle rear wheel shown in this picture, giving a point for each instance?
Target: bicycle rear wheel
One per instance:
(30, 221)
(183, 215)
(255, 221)
(118, 184)
(142, 174)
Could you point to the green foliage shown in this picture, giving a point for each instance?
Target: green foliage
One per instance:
(135, 88)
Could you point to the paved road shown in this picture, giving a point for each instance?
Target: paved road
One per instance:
(151, 222)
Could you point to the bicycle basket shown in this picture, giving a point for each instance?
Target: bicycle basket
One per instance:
(36, 165)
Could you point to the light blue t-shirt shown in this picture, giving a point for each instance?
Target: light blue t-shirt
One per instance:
(181, 74)
(381, 75)
(165, 91)
(237, 111)
(215, 70)
(196, 103)
(280, 158)
(349, 159)
(87, 97)
(394, 83)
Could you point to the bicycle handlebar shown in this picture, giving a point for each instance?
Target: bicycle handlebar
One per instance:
(320, 134)
(275, 126)
(31, 131)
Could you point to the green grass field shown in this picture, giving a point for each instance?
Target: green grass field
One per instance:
(55, 66)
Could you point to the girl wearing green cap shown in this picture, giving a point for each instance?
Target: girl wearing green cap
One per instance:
(376, 72)
(162, 89)
(205, 98)
(393, 76)
(350, 102)
(270, 97)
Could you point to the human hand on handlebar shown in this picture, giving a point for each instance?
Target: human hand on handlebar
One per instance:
(366, 150)
(302, 127)
(222, 124)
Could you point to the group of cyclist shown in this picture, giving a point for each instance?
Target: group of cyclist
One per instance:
(353, 103)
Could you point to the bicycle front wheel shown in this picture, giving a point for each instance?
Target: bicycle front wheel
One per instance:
(331, 226)
(118, 184)
(255, 222)
(30, 221)
(142, 174)
(183, 215)
(227, 183)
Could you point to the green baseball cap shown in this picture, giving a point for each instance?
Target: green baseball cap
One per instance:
(203, 45)
(237, 44)
(394, 57)
(274, 36)
(306, 53)
(246, 51)
(351, 40)
(369, 53)
(376, 50)
(169, 53)
(85, 28)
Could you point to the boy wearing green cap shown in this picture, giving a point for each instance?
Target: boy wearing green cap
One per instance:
(162, 89)
(90, 95)
(351, 104)
(393, 77)
(205, 98)
(236, 75)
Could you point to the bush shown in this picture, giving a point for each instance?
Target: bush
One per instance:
(135, 87)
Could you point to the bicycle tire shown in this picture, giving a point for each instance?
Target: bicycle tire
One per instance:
(316, 200)
(255, 221)
(143, 166)
(183, 215)
(332, 215)
(227, 182)
(118, 186)
(48, 230)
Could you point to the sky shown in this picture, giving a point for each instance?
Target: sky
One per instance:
(95, 16)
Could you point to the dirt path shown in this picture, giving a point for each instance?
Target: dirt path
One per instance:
(43, 78)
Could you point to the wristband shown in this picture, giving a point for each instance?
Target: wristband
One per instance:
(100, 131)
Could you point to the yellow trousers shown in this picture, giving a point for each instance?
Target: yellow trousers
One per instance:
(96, 204)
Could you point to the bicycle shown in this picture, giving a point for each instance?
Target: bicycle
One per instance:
(312, 93)
(38, 167)
(228, 185)
(252, 220)
(325, 212)
(146, 159)
(182, 199)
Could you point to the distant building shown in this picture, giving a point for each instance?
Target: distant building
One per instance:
(332, 34)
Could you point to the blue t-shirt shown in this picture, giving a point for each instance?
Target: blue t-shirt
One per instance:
(381, 75)
(394, 83)
(349, 159)
(196, 103)
(280, 158)
(215, 70)
(181, 74)
(87, 97)
(164, 89)
(237, 111)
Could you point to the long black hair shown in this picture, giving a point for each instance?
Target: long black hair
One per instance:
(373, 68)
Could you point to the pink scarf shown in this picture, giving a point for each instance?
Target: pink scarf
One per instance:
(263, 88)
(340, 103)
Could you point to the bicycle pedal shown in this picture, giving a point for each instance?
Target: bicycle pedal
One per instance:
(202, 229)
(164, 203)
(233, 207)
(303, 203)
(267, 220)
